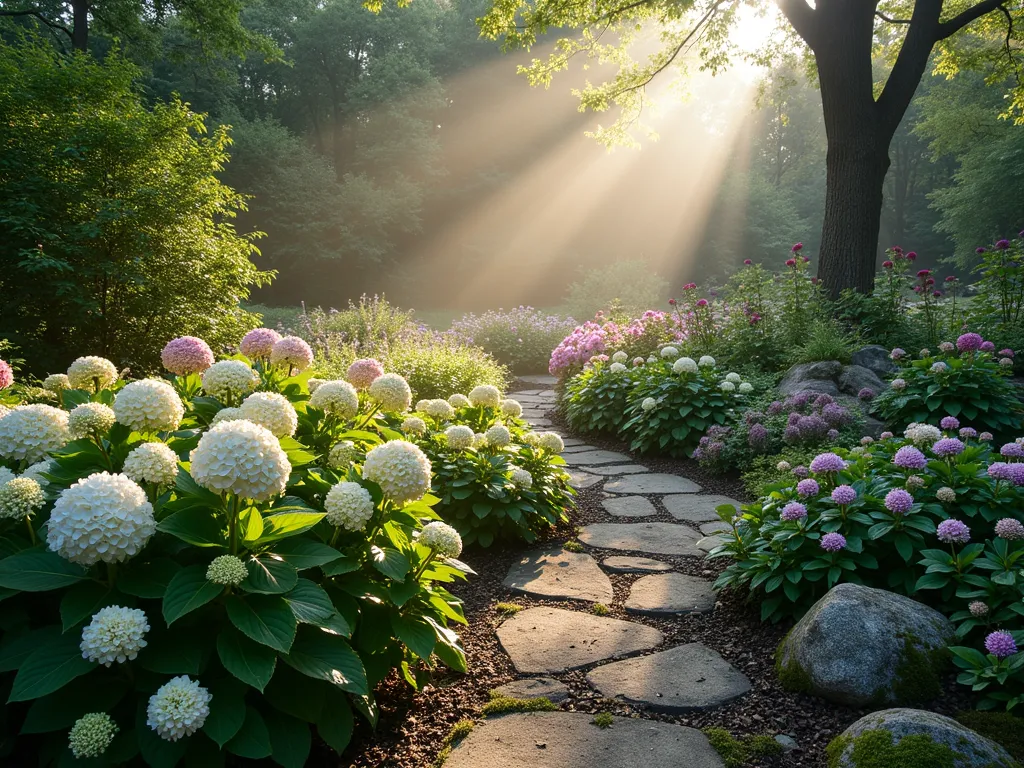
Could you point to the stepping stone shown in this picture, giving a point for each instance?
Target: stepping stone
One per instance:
(629, 506)
(543, 380)
(653, 483)
(562, 575)
(710, 529)
(654, 538)
(548, 393)
(552, 640)
(535, 688)
(579, 448)
(670, 593)
(619, 564)
(708, 543)
(618, 469)
(682, 679)
(570, 740)
(543, 423)
(696, 509)
(573, 442)
(580, 480)
(596, 457)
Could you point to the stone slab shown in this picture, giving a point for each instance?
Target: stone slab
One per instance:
(696, 509)
(570, 740)
(670, 593)
(653, 538)
(682, 679)
(629, 506)
(614, 470)
(708, 543)
(552, 640)
(573, 442)
(596, 457)
(542, 423)
(535, 688)
(621, 564)
(710, 529)
(562, 575)
(579, 480)
(653, 483)
(578, 448)
(543, 379)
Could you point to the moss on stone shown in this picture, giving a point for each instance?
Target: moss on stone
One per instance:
(792, 676)
(1003, 728)
(918, 676)
(738, 752)
(458, 732)
(876, 749)
(572, 546)
(502, 705)
(603, 720)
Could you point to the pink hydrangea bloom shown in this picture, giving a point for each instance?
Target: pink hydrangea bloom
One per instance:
(293, 352)
(185, 355)
(362, 373)
(258, 343)
(6, 375)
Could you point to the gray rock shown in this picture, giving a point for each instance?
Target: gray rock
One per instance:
(620, 564)
(618, 469)
(875, 358)
(682, 679)
(574, 442)
(811, 377)
(969, 749)
(551, 640)
(555, 573)
(708, 543)
(873, 427)
(787, 742)
(581, 448)
(853, 378)
(539, 379)
(596, 457)
(653, 483)
(535, 688)
(542, 423)
(709, 529)
(652, 538)
(580, 480)
(570, 740)
(697, 509)
(670, 593)
(629, 506)
(851, 646)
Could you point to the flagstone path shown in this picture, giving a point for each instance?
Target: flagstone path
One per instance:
(622, 660)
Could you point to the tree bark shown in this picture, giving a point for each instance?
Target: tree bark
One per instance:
(80, 28)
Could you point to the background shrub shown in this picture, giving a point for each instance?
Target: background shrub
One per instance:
(629, 285)
(521, 338)
(595, 399)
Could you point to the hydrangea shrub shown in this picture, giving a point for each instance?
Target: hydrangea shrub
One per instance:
(521, 338)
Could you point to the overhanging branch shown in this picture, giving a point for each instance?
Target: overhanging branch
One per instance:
(890, 20)
(37, 14)
(961, 20)
(802, 17)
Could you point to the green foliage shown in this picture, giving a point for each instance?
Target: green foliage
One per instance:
(599, 609)
(738, 752)
(630, 286)
(503, 705)
(1002, 727)
(603, 720)
(825, 341)
(765, 471)
(520, 338)
(878, 749)
(999, 679)
(459, 731)
(595, 400)
(115, 232)
(437, 367)
(508, 609)
(572, 546)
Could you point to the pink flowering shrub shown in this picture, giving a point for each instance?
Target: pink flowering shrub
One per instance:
(639, 337)
(185, 355)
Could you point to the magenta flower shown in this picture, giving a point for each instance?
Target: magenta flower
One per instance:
(702, 302)
(908, 457)
(790, 262)
(833, 542)
(1002, 245)
(1006, 353)
(988, 346)
(748, 262)
(6, 375)
(797, 248)
(969, 342)
(887, 264)
(923, 272)
(1010, 528)
(953, 532)
(258, 343)
(979, 250)
(362, 373)
(1000, 644)
(844, 494)
(898, 501)
(185, 355)
(912, 255)
(793, 511)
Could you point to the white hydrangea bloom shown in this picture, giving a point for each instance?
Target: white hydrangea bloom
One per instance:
(521, 478)
(707, 361)
(898, 384)
(735, 378)
(242, 458)
(459, 437)
(620, 357)
(512, 409)
(56, 383)
(1005, 362)
(439, 409)
(313, 384)
(178, 708)
(226, 414)
(90, 419)
(29, 432)
(400, 468)
(101, 517)
(922, 434)
(946, 494)
(652, 359)
(36, 472)
(414, 425)
(669, 353)
(271, 410)
(783, 466)
(4, 410)
(479, 440)
(649, 404)
(939, 367)
(341, 454)
(229, 379)
(727, 386)
(6, 475)
(20, 497)
(746, 388)
(349, 505)
(152, 463)
(551, 442)
(531, 438)
(485, 395)
(392, 392)
(458, 401)
(92, 373)
(115, 634)
(421, 406)
(498, 436)
(685, 365)
(149, 405)
(91, 735)
(441, 538)
(617, 368)
(227, 569)
(338, 398)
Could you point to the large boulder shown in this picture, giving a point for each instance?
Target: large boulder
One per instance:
(853, 378)
(859, 646)
(875, 358)
(913, 737)
(811, 377)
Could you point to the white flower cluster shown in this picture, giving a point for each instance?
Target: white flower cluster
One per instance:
(620, 357)
(114, 634)
(89, 419)
(649, 404)
(485, 395)
(152, 463)
(684, 365)
(479, 440)
(36, 472)
(29, 432)
(745, 388)
(149, 405)
(946, 494)
(102, 517)
(669, 353)
(313, 384)
(56, 383)
(6, 475)
(178, 708)
(498, 436)
(271, 410)
(229, 379)
(400, 468)
(92, 373)
(241, 458)
(441, 410)
(91, 735)
(898, 384)
(227, 569)
(414, 425)
(349, 506)
(735, 378)
(458, 401)
(922, 434)
(707, 361)
(226, 414)
(521, 478)
(441, 538)
(392, 392)
(459, 437)
(20, 497)
(551, 442)
(727, 386)
(511, 409)
(338, 398)
(341, 454)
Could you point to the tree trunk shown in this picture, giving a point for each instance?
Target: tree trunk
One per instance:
(80, 28)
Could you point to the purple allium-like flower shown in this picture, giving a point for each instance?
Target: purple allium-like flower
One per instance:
(979, 250)
(822, 400)
(978, 609)
(969, 342)
(833, 542)
(775, 408)
(1002, 245)
(1010, 528)
(835, 415)
(186, 354)
(1000, 644)
(948, 446)
(793, 511)
(950, 422)
(753, 417)
(832, 435)
(843, 494)
(812, 427)
(6, 375)
(1017, 473)
(827, 462)
(999, 470)
(807, 487)
(757, 437)
(1012, 450)
(1006, 353)
(800, 471)
(986, 436)
(362, 373)
(258, 343)
(953, 532)
(968, 433)
(898, 501)
(793, 419)
(885, 436)
(988, 346)
(866, 393)
(908, 457)
(898, 354)
(791, 434)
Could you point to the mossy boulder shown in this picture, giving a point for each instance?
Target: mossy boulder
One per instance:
(858, 646)
(914, 738)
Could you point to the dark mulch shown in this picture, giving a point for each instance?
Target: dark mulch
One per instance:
(413, 724)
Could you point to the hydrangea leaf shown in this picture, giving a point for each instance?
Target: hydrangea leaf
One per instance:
(49, 668)
(249, 661)
(38, 570)
(267, 619)
(188, 590)
(328, 657)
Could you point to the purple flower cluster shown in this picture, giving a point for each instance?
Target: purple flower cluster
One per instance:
(898, 501)
(808, 487)
(953, 532)
(969, 342)
(968, 433)
(185, 355)
(648, 332)
(948, 446)
(1012, 450)
(833, 542)
(844, 494)
(1010, 528)
(950, 422)
(866, 394)
(793, 511)
(908, 457)
(6, 375)
(827, 462)
(758, 437)
(1000, 644)
(813, 417)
